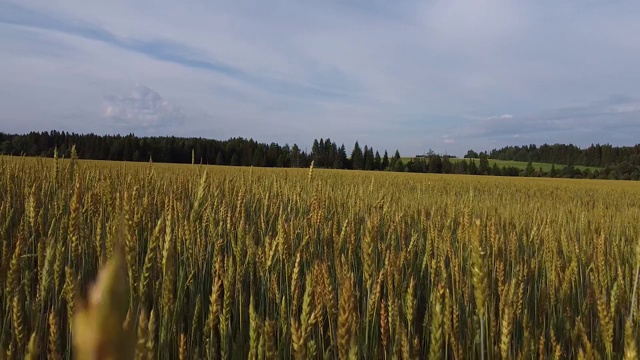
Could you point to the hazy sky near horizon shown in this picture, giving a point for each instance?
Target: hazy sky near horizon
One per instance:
(448, 75)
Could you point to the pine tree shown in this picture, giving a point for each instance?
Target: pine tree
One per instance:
(368, 159)
(315, 153)
(385, 161)
(435, 164)
(472, 168)
(529, 170)
(332, 153)
(220, 159)
(447, 167)
(377, 162)
(357, 158)
(484, 164)
(396, 162)
(495, 171)
(295, 156)
(341, 160)
(235, 161)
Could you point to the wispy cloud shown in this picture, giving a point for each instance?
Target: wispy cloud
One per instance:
(158, 49)
(412, 75)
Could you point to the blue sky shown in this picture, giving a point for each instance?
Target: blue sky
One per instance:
(412, 75)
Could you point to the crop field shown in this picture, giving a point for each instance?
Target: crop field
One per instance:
(222, 262)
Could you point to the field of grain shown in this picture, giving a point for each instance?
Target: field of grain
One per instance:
(222, 262)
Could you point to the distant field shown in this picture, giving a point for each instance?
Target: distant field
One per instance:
(519, 164)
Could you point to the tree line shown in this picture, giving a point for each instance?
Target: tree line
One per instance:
(615, 162)
(595, 155)
(235, 151)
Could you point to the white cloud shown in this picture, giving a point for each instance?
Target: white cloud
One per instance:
(503, 116)
(141, 108)
(447, 139)
(393, 63)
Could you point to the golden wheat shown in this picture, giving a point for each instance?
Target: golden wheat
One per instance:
(224, 262)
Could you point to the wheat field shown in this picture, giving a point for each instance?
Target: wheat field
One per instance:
(224, 263)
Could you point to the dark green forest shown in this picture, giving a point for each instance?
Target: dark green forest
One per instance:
(615, 162)
(595, 155)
